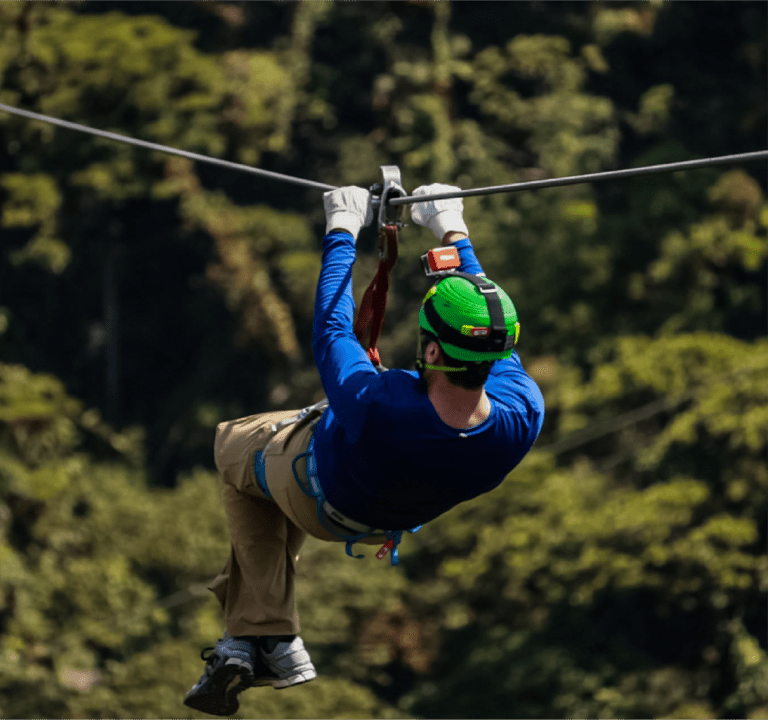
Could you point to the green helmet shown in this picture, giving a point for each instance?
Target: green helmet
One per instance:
(472, 317)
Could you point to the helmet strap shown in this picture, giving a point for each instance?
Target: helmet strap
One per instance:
(421, 365)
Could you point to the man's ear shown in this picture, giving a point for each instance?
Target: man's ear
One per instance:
(432, 352)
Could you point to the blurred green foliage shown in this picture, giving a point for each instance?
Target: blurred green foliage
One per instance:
(620, 571)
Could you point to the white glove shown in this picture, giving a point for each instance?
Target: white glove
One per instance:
(440, 216)
(347, 208)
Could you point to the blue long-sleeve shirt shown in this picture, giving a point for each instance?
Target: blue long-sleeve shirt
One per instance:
(384, 456)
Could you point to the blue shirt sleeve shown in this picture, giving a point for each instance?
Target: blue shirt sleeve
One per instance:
(345, 369)
(469, 262)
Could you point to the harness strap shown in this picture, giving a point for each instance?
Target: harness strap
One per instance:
(259, 465)
(301, 415)
(315, 491)
(370, 316)
(325, 511)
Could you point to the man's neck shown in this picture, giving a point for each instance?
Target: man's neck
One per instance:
(460, 408)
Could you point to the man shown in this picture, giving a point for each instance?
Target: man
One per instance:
(391, 450)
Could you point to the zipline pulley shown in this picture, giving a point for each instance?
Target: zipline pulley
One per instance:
(392, 187)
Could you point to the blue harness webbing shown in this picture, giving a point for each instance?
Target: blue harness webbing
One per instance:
(259, 466)
(315, 491)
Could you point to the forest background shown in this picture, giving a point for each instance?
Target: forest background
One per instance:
(620, 571)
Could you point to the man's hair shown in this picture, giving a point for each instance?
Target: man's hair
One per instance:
(473, 378)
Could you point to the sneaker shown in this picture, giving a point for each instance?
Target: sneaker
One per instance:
(229, 670)
(289, 664)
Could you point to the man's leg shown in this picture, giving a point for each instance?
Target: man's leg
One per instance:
(256, 587)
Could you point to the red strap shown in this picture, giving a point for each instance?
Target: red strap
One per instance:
(370, 317)
(384, 549)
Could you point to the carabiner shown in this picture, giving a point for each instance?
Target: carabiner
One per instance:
(393, 187)
(389, 216)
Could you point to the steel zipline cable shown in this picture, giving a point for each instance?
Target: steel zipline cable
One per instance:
(408, 199)
(589, 177)
(165, 149)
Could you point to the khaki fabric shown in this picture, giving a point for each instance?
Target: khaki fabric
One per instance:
(256, 587)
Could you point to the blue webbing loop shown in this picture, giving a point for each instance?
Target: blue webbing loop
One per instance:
(259, 466)
(319, 496)
(317, 493)
(397, 536)
(315, 489)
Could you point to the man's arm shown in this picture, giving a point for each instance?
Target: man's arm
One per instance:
(445, 218)
(344, 367)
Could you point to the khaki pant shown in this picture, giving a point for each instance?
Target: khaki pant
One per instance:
(255, 588)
